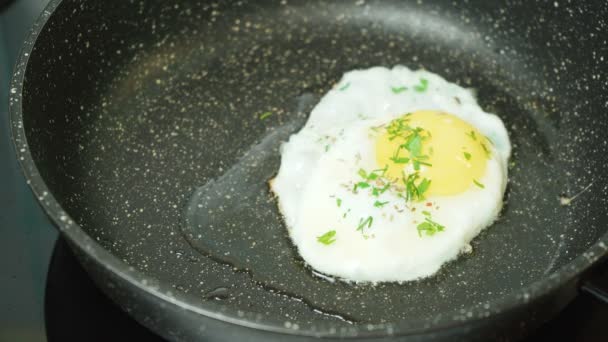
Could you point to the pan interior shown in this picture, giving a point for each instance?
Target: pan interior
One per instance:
(148, 132)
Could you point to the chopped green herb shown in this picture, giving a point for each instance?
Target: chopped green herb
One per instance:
(478, 184)
(413, 191)
(379, 204)
(339, 202)
(426, 213)
(377, 191)
(413, 144)
(382, 170)
(326, 148)
(398, 160)
(429, 227)
(397, 90)
(265, 115)
(362, 173)
(424, 84)
(372, 175)
(327, 238)
(472, 135)
(467, 155)
(485, 148)
(346, 213)
(361, 185)
(367, 222)
(423, 186)
(344, 87)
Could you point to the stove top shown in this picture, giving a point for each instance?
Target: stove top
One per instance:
(45, 295)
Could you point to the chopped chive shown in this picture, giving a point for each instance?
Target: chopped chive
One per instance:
(265, 115)
(327, 238)
(382, 170)
(413, 144)
(478, 184)
(367, 222)
(326, 148)
(423, 186)
(344, 87)
(467, 155)
(472, 135)
(339, 202)
(413, 191)
(424, 84)
(416, 164)
(379, 204)
(397, 90)
(399, 160)
(426, 213)
(386, 186)
(485, 148)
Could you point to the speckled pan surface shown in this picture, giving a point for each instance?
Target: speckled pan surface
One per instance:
(134, 118)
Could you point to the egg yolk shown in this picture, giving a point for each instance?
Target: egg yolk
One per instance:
(437, 146)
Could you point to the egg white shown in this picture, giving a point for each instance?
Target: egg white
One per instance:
(319, 164)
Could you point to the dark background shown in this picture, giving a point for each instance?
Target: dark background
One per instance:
(44, 293)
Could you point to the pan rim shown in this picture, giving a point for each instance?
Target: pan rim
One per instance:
(73, 232)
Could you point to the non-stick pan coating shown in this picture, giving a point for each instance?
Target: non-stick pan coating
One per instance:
(132, 108)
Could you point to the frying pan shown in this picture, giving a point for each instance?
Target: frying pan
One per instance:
(137, 124)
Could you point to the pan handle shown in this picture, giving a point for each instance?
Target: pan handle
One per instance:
(596, 283)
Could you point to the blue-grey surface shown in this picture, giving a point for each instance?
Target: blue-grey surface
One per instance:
(22, 222)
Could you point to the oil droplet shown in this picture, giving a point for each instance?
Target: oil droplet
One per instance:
(220, 293)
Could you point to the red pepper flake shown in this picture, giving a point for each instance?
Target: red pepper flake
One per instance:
(429, 204)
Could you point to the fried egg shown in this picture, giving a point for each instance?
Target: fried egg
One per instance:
(393, 175)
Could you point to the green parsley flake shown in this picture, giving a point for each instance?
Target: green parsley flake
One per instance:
(397, 90)
(339, 202)
(344, 87)
(467, 155)
(361, 185)
(423, 86)
(478, 184)
(379, 204)
(429, 227)
(265, 115)
(362, 173)
(472, 135)
(327, 238)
